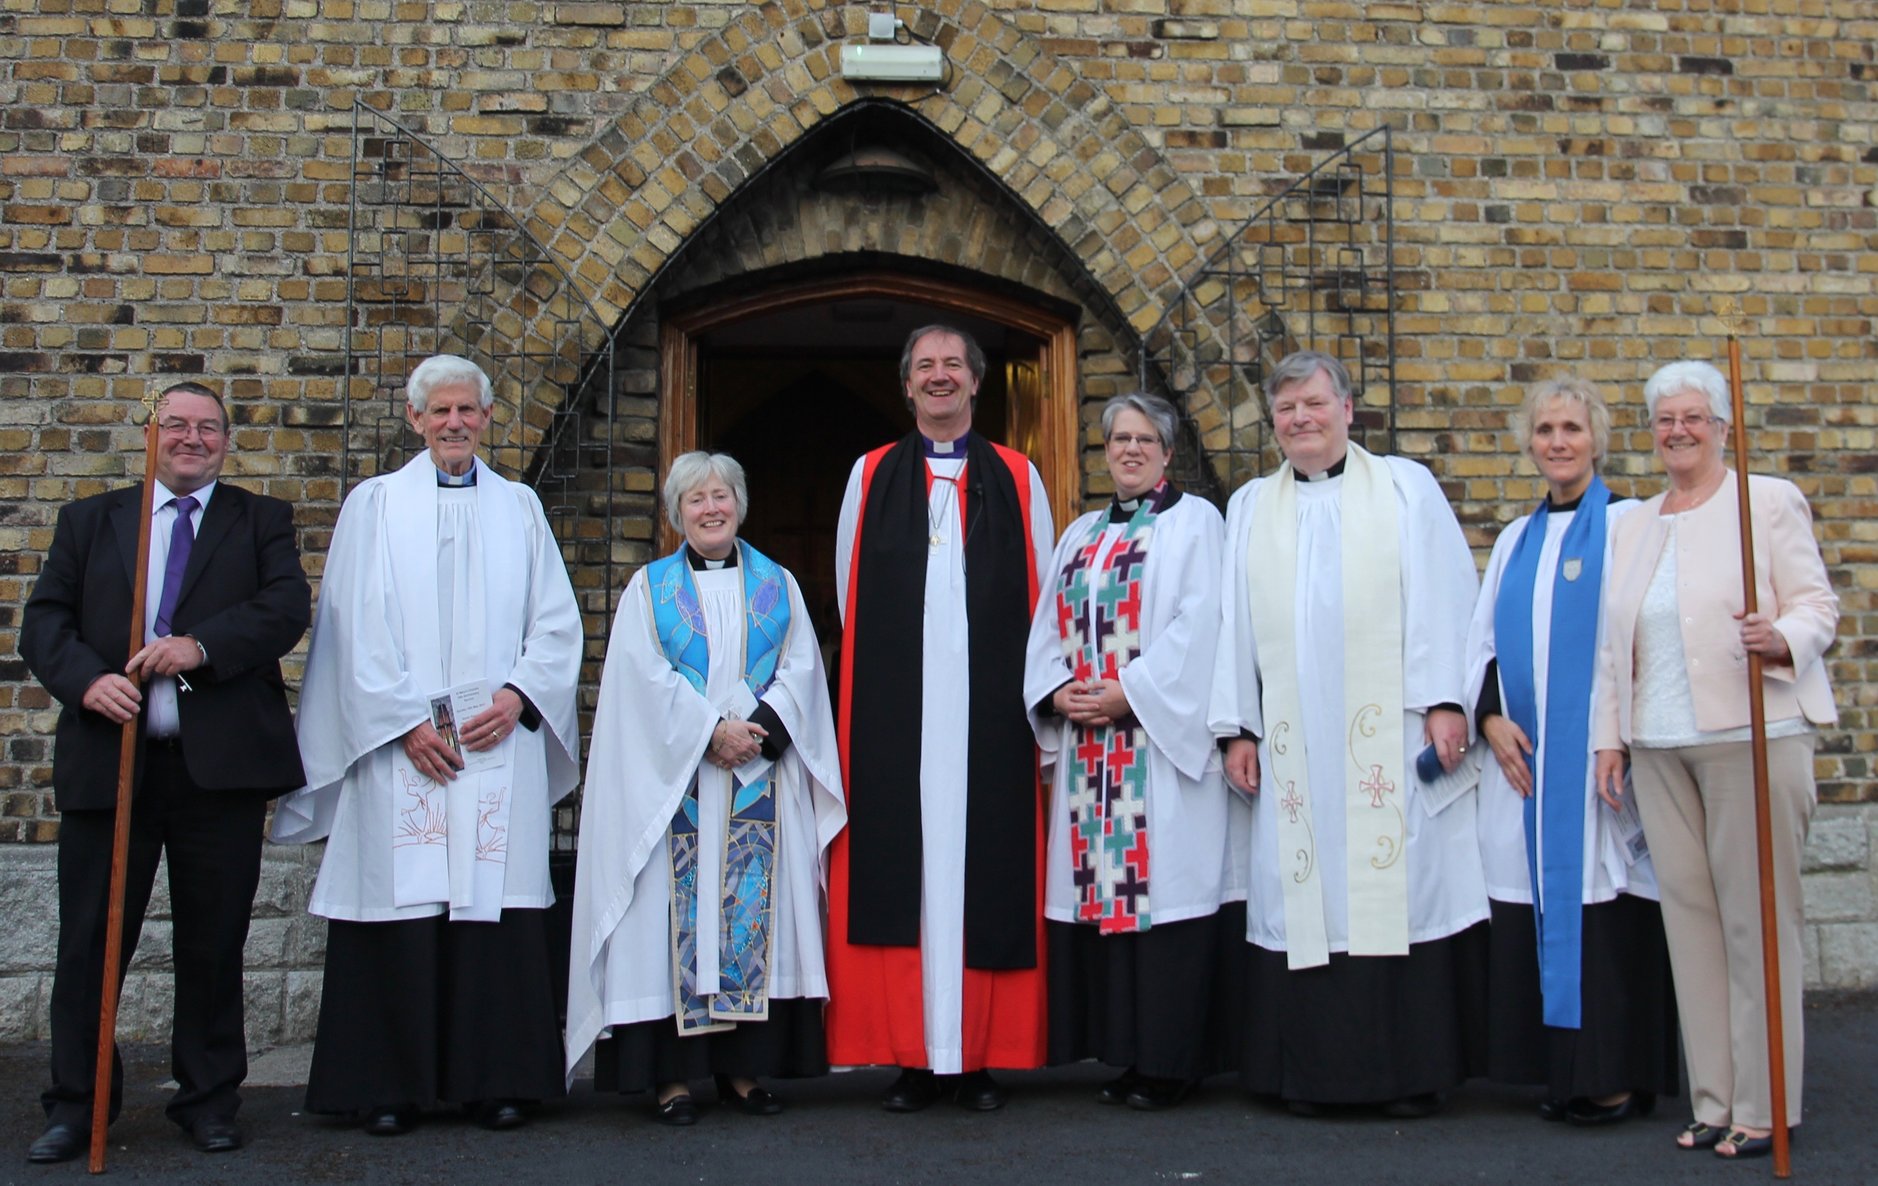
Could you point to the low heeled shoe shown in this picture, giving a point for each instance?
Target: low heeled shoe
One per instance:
(60, 1142)
(914, 1091)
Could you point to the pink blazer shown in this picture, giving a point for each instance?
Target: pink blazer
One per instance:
(1791, 588)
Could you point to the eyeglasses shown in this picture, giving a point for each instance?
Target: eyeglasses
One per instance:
(208, 430)
(1688, 423)
(1122, 440)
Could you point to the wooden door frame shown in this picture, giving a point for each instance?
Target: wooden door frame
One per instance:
(1059, 437)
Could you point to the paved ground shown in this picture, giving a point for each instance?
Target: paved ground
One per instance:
(1052, 1132)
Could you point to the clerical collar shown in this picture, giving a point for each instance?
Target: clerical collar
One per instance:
(1335, 471)
(944, 450)
(457, 481)
(705, 564)
(1559, 508)
(1121, 510)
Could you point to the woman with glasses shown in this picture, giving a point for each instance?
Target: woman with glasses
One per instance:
(1580, 983)
(1116, 678)
(1672, 702)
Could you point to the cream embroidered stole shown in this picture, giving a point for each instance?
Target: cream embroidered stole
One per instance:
(1374, 789)
(450, 841)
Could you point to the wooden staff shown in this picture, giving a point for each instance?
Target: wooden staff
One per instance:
(120, 835)
(1763, 811)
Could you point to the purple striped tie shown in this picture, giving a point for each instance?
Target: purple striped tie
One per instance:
(182, 539)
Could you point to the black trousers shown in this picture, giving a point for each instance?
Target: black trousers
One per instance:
(213, 839)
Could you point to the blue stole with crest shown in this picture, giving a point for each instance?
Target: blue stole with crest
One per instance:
(1558, 798)
(749, 842)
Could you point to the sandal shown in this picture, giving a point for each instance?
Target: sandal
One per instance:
(1699, 1136)
(1737, 1145)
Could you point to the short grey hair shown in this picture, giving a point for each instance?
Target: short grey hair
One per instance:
(1299, 366)
(1680, 377)
(692, 470)
(1569, 389)
(446, 370)
(974, 357)
(1158, 411)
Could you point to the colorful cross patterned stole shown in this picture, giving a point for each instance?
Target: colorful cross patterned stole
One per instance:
(1098, 614)
(741, 991)
(1556, 810)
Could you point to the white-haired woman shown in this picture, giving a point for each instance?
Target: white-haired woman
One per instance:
(1580, 999)
(713, 789)
(1116, 678)
(1673, 693)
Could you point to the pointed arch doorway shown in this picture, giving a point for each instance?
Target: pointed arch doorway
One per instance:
(799, 379)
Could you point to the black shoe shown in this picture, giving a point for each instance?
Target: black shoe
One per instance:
(60, 1142)
(497, 1114)
(215, 1134)
(1413, 1107)
(754, 1102)
(1553, 1110)
(979, 1092)
(1116, 1090)
(390, 1121)
(914, 1091)
(1586, 1114)
(1158, 1095)
(1305, 1108)
(679, 1111)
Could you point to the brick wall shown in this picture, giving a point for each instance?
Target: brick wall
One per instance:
(1577, 187)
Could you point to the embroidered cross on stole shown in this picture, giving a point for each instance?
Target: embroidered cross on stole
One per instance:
(1098, 611)
(749, 842)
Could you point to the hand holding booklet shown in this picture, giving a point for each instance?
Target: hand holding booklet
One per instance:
(453, 708)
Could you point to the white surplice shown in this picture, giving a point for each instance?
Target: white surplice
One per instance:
(499, 595)
(1607, 872)
(1167, 686)
(944, 710)
(1446, 889)
(651, 731)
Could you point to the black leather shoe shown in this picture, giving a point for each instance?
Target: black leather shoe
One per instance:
(914, 1091)
(1585, 1114)
(979, 1092)
(498, 1114)
(215, 1134)
(679, 1111)
(390, 1121)
(1553, 1110)
(1157, 1095)
(1116, 1090)
(754, 1102)
(1413, 1107)
(60, 1142)
(1308, 1109)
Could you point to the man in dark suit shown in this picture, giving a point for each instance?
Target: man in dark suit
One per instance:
(225, 599)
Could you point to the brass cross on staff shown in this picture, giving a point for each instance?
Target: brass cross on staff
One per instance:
(120, 834)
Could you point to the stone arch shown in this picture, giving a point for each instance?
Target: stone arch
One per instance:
(620, 212)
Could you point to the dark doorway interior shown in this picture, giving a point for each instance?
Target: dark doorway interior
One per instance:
(798, 394)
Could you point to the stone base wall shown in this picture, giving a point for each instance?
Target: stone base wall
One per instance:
(287, 947)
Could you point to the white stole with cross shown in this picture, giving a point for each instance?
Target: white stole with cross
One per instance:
(1375, 784)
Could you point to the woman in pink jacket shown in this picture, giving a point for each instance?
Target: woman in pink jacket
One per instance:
(1673, 692)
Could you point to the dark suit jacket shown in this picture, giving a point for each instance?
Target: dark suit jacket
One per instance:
(244, 596)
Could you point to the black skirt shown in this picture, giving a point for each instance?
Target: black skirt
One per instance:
(1627, 1037)
(432, 1011)
(1141, 1000)
(648, 1054)
(1363, 1029)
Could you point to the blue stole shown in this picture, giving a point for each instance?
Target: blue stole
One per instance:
(742, 992)
(1571, 661)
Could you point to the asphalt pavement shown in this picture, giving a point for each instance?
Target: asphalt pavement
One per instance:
(1052, 1132)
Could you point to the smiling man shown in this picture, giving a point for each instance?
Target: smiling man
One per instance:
(1348, 588)
(224, 600)
(935, 898)
(442, 578)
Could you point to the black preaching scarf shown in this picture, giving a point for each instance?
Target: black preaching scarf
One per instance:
(884, 741)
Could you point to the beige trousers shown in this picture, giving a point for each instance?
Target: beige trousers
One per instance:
(1697, 804)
